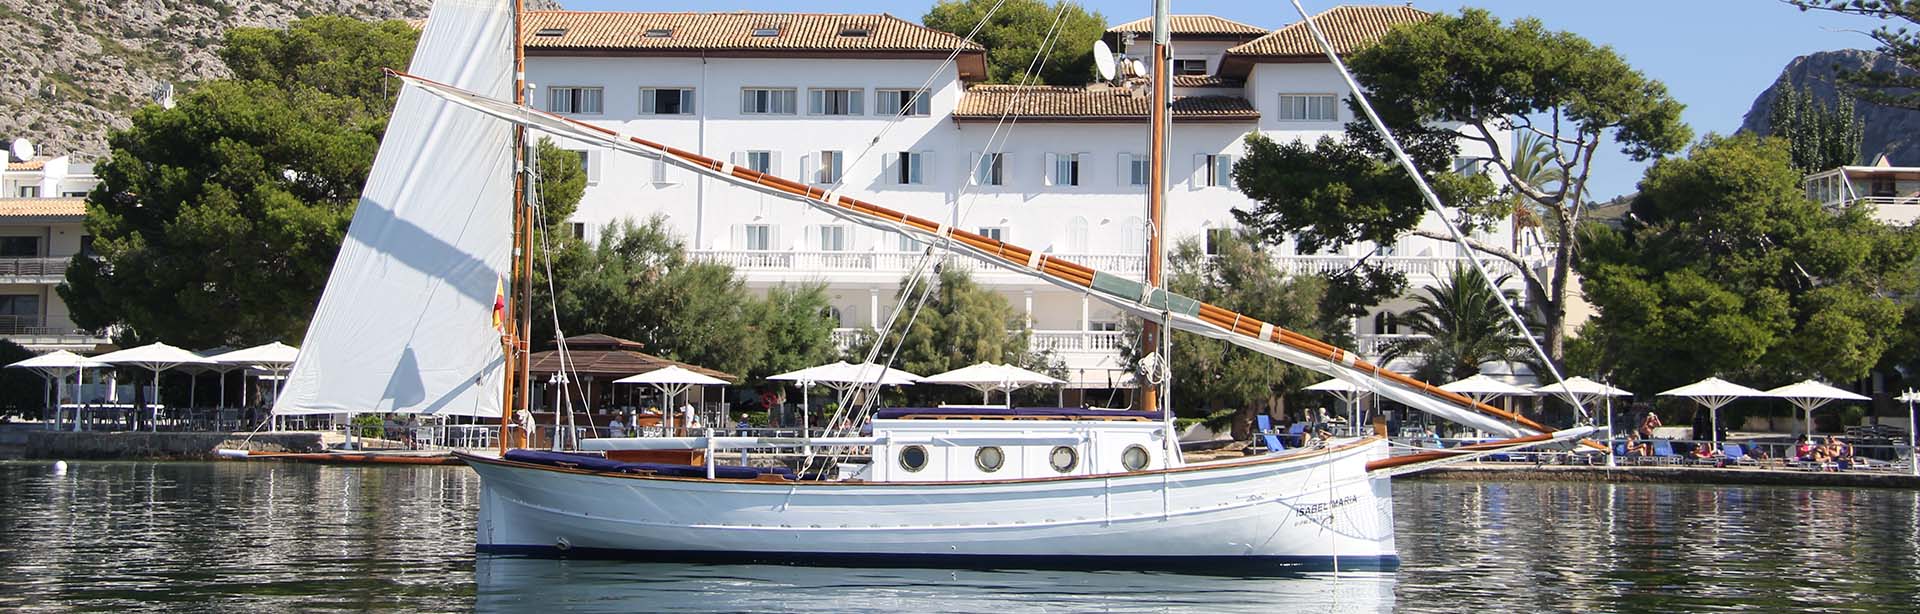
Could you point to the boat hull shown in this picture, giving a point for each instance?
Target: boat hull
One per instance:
(1310, 509)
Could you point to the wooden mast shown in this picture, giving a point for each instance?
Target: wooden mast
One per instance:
(518, 307)
(1153, 338)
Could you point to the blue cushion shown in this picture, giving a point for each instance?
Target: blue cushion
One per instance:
(596, 463)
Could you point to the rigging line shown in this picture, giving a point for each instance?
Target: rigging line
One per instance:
(1433, 200)
(1038, 62)
(543, 230)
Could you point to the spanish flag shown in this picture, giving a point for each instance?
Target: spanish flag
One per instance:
(500, 304)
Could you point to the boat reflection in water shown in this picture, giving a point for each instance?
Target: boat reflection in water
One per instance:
(513, 583)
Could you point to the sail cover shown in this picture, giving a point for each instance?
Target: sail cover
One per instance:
(407, 322)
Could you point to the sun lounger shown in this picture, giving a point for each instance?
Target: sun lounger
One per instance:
(1266, 433)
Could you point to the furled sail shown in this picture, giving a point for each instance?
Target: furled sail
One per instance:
(1131, 295)
(407, 321)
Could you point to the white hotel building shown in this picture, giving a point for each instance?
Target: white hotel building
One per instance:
(805, 95)
(42, 225)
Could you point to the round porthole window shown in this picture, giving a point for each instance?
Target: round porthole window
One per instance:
(1134, 458)
(913, 458)
(990, 458)
(1064, 459)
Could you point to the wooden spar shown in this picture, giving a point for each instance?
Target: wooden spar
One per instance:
(510, 337)
(1421, 457)
(1018, 257)
(1150, 332)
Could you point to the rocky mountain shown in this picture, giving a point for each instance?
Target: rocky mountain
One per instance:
(74, 69)
(1895, 132)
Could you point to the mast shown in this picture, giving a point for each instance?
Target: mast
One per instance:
(519, 315)
(1153, 333)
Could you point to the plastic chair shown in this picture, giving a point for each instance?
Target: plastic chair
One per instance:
(1266, 432)
(1663, 451)
(1297, 434)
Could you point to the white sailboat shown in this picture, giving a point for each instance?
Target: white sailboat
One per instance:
(974, 486)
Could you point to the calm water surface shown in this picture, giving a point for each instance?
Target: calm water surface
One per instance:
(257, 537)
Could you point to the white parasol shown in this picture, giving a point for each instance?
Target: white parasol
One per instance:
(1713, 393)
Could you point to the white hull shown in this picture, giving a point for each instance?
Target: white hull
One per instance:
(1304, 508)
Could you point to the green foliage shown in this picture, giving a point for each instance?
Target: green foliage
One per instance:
(1533, 157)
(961, 324)
(1018, 31)
(638, 283)
(1467, 78)
(1899, 89)
(562, 180)
(22, 392)
(1465, 326)
(1209, 373)
(216, 221)
(1727, 268)
(1819, 136)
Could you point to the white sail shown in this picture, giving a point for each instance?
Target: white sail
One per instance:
(407, 320)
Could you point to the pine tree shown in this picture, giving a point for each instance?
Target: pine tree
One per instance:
(1819, 136)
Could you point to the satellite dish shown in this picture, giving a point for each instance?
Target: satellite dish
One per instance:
(22, 149)
(1139, 67)
(1103, 60)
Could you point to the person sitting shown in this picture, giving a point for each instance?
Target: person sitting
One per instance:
(1838, 451)
(616, 429)
(1804, 451)
(1637, 446)
(1705, 450)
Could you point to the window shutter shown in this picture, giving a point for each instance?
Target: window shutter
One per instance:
(773, 163)
(1083, 166)
(738, 158)
(804, 174)
(856, 99)
(1005, 167)
(837, 159)
(686, 102)
(924, 104)
(746, 101)
(595, 158)
(1124, 176)
(647, 96)
(973, 168)
(811, 240)
(1053, 170)
(740, 237)
(773, 237)
(890, 101)
(889, 166)
(816, 102)
(660, 170)
(1224, 169)
(921, 172)
(1198, 179)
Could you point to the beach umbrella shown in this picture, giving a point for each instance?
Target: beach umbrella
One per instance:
(1713, 393)
(672, 380)
(156, 357)
(56, 366)
(1348, 393)
(1809, 395)
(987, 377)
(1913, 432)
(1482, 388)
(840, 376)
(276, 358)
(1583, 391)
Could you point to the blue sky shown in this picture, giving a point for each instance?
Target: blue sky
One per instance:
(1714, 55)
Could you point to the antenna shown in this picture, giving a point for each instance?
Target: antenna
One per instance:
(22, 149)
(1103, 60)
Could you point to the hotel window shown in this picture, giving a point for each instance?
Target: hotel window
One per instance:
(660, 176)
(1213, 171)
(765, 101)
(666, 101)
(1133, 169)
(989, 169)
(1306, 107)
(86, 246)
(577, 100)
(907, 244)
(579, 230)
(590, 164)
(833, 238)
(912, 103)
(906, 168)
(1190, 67)
(759, 161)
(1217, 238)
(29, 191)
(836, 102)
(1883, 187)
(19, 247)
(1103, 326)
(19, 310)
(826, 167)
(1063, 169)
(997, 233)
(758, 237)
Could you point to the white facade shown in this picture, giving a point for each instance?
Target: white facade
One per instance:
(1098, 222)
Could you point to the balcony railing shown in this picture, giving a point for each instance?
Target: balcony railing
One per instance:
(55, 268)
(1058, 341)
(34, 331)
(901, 262)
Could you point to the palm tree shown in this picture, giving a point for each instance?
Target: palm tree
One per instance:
(1463, 326)
(1533, 162)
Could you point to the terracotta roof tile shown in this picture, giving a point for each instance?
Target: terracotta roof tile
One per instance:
(75, 208)
(1052, 102)
(1207, 81)
(1192, 25)
(1348, 27)
(29, 165)
(626, 31)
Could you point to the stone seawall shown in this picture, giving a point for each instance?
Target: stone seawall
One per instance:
(1671, 475)
(146, 446)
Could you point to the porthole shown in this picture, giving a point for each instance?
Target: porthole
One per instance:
(989, 458)
(913, 458)
(1064, 459)
(1134, 458)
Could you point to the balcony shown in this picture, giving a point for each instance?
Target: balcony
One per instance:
(1900, 210)
(33, 270)
(34, 333)
(894, 264)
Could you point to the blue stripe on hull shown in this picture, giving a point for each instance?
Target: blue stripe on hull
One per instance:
(1258, 565)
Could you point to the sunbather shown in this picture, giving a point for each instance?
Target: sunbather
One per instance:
(1705, 450)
